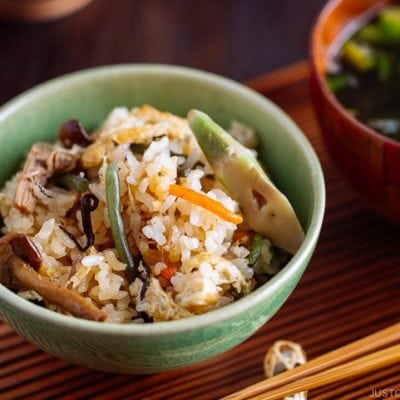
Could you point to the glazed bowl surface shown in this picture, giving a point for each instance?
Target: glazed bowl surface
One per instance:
(367, 160)
(88, 96)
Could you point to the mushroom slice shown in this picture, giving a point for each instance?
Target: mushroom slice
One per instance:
(43, 161)
(23, 247)
(7, 278)
(13, 269)
(266, 209)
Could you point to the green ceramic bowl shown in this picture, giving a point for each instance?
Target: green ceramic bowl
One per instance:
(89, 95)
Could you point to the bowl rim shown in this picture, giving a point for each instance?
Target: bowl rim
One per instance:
(227, 312)
(328, 94)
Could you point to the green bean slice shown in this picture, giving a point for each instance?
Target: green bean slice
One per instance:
(117, 223)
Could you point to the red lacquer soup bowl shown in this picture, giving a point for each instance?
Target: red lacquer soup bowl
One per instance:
(368, 160)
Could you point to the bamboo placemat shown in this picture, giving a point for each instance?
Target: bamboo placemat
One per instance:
(350, 289)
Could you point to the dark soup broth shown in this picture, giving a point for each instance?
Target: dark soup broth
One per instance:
(365, 73)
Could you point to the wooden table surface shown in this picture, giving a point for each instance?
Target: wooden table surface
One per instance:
(350, 289)
(235, 38)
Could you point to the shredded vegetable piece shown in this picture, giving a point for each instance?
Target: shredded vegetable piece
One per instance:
(76, 183)
(89, 203)
(206, 202)
(117, 223)
(255, 249)
(144, 276)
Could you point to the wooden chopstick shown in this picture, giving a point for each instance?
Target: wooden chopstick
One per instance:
(360, 366)
(368, 344)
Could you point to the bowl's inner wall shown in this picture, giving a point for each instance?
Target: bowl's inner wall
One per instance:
(38, 115)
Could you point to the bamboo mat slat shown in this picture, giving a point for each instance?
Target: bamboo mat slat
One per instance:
(350, 289)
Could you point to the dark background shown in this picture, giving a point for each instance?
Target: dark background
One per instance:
(236, 38)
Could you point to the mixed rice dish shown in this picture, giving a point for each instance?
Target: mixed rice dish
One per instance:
(150, 218)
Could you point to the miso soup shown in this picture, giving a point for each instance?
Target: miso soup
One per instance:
(365, 73)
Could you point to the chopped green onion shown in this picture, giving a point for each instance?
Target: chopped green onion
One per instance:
(76, 183)
(255, 249)
(173, 154)
(116, 221)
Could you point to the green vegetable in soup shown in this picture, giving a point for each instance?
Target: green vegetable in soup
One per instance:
(389, 22)
(365, 74)
(360, 56)
(338, 82)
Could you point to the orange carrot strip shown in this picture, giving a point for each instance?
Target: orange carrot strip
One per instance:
(169, 272)
(242, 237)
(206, 202)
(152, 257)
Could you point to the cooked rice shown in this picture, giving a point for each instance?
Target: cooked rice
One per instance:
(213, 269)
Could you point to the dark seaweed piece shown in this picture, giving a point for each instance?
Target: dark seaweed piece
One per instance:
(173, 154)
(146, 318)
(156, 138)
(72, 132)
(73, 238)
(138, 148)
(89, 203)
(198, 164)
(144, 276)
(43, 191)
